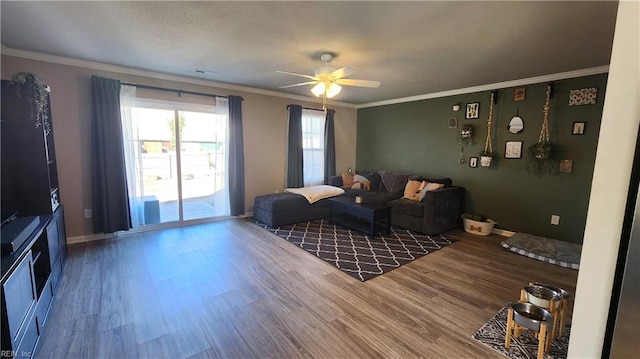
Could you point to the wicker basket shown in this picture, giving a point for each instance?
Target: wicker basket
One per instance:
(477, 227)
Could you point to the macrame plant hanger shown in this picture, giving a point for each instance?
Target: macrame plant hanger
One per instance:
(544, 131)
(487, 155)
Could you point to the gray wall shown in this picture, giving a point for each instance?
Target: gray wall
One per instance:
(413, 137)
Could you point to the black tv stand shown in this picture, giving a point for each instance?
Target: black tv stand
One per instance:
(16, 232)
(30, 276)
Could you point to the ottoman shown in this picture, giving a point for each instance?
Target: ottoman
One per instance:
(281, 209)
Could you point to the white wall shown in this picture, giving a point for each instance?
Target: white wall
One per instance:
(614, 159)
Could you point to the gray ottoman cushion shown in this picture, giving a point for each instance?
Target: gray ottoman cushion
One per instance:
(280, 209)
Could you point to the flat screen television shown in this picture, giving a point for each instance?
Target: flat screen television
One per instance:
(7, 196)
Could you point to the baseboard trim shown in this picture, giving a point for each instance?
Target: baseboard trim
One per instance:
(502, 232)
(89, 238)
(154, 227)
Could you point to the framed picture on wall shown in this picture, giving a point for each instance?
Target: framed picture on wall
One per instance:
(453, 122)
(578, 128)
(473, 162)
(519, 94)
(473, 110)
(513, 149)
(566, 166)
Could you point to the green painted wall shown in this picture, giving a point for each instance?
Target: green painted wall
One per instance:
(413, 137)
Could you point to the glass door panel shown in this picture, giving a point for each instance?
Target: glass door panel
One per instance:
(157, 190)
(202, 162)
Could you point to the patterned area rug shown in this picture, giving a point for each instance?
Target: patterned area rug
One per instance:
(354, 252)
(493, 332)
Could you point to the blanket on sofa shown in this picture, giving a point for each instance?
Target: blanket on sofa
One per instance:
(315, 193)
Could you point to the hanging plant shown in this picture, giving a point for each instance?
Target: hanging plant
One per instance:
(542, 154)
(38, 99)
(486, 155)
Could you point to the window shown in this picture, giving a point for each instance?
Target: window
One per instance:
(313, 146)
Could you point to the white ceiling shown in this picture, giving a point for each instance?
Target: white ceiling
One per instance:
(413, 48)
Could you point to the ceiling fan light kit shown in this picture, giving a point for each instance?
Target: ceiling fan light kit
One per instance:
(327, 80)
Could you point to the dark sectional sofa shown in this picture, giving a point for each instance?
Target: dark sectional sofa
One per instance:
(439, 210)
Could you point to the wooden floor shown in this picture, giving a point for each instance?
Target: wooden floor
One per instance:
(231, 289)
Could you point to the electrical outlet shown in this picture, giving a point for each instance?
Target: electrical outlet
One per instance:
(88, 213)
(555, 219)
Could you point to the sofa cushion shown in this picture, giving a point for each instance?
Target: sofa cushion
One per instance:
(378, 196)
(408, 207)
(374, 179)
(430, 186)
(447, 182)
(413, 188)
(347, 179)
(394, 182)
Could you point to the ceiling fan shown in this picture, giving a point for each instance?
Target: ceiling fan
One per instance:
(327, 80)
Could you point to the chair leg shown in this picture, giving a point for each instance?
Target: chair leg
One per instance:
(563, 310)
(507, 340)
(542, 342)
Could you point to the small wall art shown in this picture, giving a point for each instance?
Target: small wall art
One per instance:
(513, 149)
(585, 96)
(452, 123)
(566, 166)
(519, 94)
(473, 110)
(578, 128)
(473, 162)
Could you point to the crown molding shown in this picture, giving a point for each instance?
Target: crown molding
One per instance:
(493, 86)
(164, 76)
(61, 60)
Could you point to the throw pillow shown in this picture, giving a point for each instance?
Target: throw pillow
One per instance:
(374, 179)
(412, 190)
(366, 184)
(430, 186)
(347, 179)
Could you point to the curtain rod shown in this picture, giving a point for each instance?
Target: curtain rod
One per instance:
(178, 91)
(307, 108)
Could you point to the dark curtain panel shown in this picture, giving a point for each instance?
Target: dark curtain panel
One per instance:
(329, 147)
(236, 157)
(110, 199)
(295, 177)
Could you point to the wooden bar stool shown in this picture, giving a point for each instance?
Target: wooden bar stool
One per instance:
(524, 315)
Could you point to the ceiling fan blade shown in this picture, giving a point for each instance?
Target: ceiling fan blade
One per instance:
(359, 83)
(295, 74)
(343, 72)
(300, 84)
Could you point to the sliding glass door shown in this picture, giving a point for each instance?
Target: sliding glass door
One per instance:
(176, 162)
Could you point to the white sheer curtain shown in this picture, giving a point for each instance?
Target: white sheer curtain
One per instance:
(313, 146)
(222, 118)
(132, 155)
